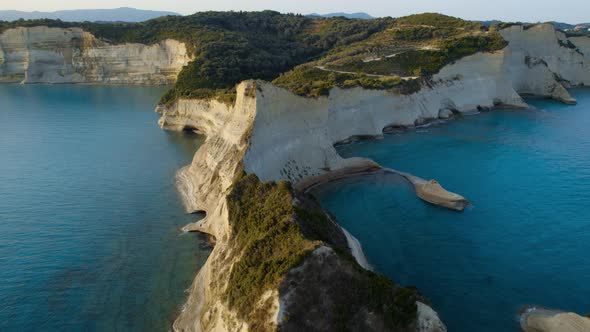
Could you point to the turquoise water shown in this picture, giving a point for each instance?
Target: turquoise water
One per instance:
(89, 215)
(525, 240)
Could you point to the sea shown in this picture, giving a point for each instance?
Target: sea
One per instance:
(90, 218)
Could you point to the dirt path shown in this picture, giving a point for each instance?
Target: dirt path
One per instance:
(405, 78)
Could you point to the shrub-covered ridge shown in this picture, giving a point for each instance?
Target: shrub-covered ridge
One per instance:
(274, 229)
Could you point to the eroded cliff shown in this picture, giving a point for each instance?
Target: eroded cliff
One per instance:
(277, 135)
(246, 285)
(71, 55)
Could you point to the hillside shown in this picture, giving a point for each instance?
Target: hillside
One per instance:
(229, 47)
(409, 48)
(124, 14)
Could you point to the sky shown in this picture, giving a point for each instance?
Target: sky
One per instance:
(571, 11)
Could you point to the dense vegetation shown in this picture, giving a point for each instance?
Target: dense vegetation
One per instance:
(438, 21)
(270, 243)
(229, 47)
(271, 236)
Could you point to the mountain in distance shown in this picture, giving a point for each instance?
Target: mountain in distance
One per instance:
(362, 16)
(123, 14)
(567, 26)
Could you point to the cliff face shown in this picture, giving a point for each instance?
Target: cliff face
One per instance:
(277, 135)
(206, 185)
(561, 55)
(56, 55)
(582, 43)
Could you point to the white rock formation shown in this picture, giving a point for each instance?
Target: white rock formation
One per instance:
(542, 41)
(278, 135)
(204, 185)
(357, 250)
(546, 320)
(56, 55)
(428, 320)
(582, 43)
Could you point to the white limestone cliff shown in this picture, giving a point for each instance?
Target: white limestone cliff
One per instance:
(582, 43)
(204, 185)
(58, 55)
(278, 135)
(560, 54)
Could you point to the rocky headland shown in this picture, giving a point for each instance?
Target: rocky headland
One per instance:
(278, 135)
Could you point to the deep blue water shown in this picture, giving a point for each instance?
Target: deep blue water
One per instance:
(89, 215)
(525, 240)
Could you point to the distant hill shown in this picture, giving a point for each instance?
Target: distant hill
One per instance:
(362, 16)
(557, 25)
(563, 26)
(123, 14)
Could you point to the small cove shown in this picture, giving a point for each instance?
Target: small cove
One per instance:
(524, 240)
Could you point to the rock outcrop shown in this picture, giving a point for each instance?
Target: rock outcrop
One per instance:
(545, 320)
(58, 55)
(277, 135)
(432, 192)
(582, 44)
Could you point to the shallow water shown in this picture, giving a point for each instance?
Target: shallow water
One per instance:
(89, 215)
(524, 241)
